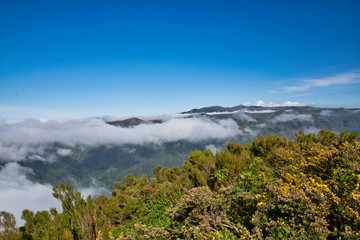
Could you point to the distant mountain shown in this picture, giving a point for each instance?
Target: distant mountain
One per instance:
(284, 121)
(215, 109)
(104, 151)
(131, 122)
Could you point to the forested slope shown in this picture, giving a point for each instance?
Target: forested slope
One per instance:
(274, 188)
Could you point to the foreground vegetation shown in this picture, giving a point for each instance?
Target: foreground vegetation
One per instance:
(274, 188)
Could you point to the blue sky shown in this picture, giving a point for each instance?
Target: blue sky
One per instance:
(94, 58)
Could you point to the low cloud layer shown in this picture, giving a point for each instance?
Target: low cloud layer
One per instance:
(27, 138)
(241, 115)
(260, 111)
(18, 193)
(214, 149)
(311, 129)
(251, 131)
(285, 117)
(221, 113)
(326, 113)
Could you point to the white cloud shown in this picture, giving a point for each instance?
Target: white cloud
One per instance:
(12, 152)
(339, 79)
(260, 103)
(260, 111)
(213, 148)
(311, 129)
(28, 137)
(326, 113)
(63, 151)
(250, 131)
(241, 115)
(220, 113)
(129, 150)
(285, 117)
(19, 193)
(95, 189)
(261, 125)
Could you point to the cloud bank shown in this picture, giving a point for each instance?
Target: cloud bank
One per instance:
(31, 139)
(241, 115)
(326, 113)
(260, 111)
(25, 139)
(285, 117)
(19, 193)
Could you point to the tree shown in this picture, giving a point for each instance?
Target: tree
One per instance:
(80, 213)
(7, 226)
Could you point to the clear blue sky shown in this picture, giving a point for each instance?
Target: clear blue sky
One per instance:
(94, 58)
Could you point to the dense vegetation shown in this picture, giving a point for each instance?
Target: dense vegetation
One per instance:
(274, 188)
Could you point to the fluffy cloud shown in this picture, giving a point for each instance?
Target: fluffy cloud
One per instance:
(251, 131)
(19, 193)
(326, 113)
(21, 152)
(274, 104)
(241, 115)
(220, 113)
(311, 129)
(27, 138)
(63, 151)
(285, 117)
(213, 148)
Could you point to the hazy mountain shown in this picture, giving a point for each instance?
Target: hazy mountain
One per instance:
(104, 150)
